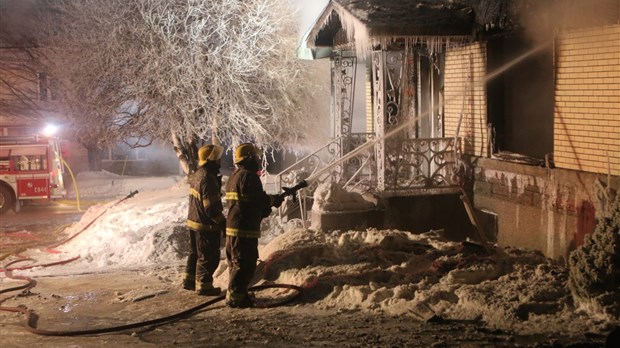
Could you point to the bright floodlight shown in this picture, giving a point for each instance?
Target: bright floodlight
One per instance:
(50, 130)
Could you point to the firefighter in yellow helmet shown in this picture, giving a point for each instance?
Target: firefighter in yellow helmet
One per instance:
(247, 205)
(205, 222)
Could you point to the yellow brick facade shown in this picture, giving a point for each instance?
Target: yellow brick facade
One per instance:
(370, 119)
(465, 69)
(587, 101)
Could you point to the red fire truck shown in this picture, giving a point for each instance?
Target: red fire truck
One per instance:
(30, 169)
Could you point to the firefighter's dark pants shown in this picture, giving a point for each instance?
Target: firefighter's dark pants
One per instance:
(203, 259)
(241, 253)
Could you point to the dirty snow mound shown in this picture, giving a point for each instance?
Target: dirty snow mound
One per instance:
(133, 233)
(127, 240)
(398, 273)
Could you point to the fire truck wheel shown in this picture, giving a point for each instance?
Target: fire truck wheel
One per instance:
(7, 200)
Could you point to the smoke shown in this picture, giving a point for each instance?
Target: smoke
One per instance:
(308, 11)
(542, 19)
(579, 13)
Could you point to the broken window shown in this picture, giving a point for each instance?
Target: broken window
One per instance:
(520, 100)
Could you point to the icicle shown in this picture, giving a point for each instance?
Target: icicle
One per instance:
(357, 32)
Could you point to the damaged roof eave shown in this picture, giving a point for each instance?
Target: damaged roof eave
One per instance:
(332, 19)
(319, 25)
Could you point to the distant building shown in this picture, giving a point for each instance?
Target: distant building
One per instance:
(29, 101)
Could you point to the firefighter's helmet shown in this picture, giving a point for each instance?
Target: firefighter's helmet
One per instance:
(209, 153)
(247, 150)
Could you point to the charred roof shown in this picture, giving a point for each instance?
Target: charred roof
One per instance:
(377, 18)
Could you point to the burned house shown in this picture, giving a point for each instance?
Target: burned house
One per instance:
(512, 106)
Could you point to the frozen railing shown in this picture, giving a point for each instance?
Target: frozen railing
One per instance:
(421, 164)
(412, 166)
(357, 170)
(305, 167)
(409, 165)
(326, 157)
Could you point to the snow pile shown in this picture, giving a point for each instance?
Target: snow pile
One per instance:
(128, 240)
(399, 273)
(104, 184)
(127, 233)
(332, 197)
(134, 232)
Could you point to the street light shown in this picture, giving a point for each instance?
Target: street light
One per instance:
(50, 130)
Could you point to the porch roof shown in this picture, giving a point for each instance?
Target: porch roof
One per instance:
(367, 22)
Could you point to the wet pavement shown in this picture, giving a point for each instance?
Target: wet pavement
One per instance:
(37, 224)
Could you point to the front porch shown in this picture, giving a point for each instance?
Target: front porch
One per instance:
(402, 157)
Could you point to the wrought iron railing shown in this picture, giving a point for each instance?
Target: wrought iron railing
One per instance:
(328, 156)
(327, 164)
(305, 167)
(412, 166)
(421, 164)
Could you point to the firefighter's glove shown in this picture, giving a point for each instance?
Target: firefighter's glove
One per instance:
(220, 221)
(290, 191)
(277, 200)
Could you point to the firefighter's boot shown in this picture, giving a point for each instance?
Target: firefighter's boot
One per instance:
(239, 300)
(189, 284)
(207, 290)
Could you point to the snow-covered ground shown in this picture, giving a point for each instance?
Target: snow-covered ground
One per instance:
(384, 271)
(106, 185)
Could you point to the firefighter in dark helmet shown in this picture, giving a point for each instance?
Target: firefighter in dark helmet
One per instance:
(205, 222)
(247, 205)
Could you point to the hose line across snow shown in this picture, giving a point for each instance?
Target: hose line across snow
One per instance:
(31, 318)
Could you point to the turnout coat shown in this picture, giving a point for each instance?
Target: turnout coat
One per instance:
(205, 201)
(247, 204)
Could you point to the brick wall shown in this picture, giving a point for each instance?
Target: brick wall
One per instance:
(465, 69)
(546, 209)
(587, 100)
(370, 118)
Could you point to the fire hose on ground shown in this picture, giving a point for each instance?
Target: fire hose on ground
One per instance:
(30, 322)
(31, 319)
(50, 248)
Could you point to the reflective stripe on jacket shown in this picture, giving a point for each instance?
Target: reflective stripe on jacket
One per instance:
(247, 204)
(205, 201)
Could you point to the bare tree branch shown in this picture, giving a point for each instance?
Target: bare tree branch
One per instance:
(218, 70)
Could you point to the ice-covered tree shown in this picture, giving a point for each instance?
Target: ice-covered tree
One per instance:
(190, 70)
(20, 64)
